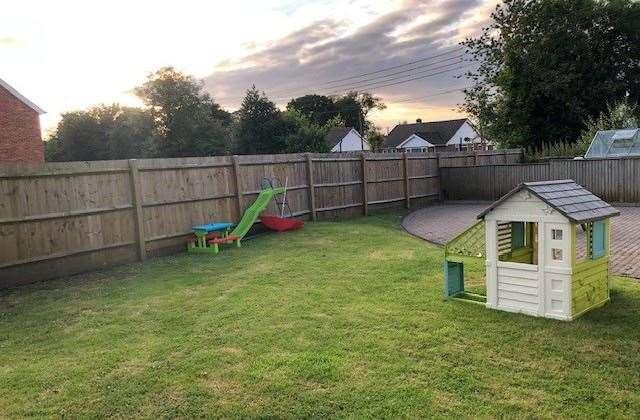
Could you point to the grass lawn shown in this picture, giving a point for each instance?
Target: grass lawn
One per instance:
(339, 319)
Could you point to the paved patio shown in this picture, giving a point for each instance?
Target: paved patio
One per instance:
(440, 223)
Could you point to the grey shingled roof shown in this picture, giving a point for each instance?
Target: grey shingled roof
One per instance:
(336, 134)
(432, 137)
(573, 201)
(445, 130)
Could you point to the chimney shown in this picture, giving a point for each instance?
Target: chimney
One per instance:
(418, 120)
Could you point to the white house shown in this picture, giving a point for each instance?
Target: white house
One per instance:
(345, 139)
(457, 134)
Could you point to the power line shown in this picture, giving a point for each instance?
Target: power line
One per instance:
(431, 95)
(393, 67)
(437, 93)
(360, 86)
(280, 91)
(401, 71)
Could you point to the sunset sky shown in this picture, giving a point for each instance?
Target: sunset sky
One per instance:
(69, 55)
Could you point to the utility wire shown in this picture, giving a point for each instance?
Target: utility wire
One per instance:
(402, 81)
(391, 79)
(393, 67)
(430, 95)
(280, 91)
(401, 71)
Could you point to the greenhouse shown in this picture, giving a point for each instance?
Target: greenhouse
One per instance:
(615, 143)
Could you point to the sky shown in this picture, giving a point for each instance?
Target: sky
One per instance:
(69, 55)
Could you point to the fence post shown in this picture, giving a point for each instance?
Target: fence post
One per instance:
(236, 177)
(312, 188)
(407, 193)
(365, 203)
(136, 197)
(475, 157)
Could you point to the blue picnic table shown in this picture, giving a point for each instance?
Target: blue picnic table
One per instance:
(201, 231)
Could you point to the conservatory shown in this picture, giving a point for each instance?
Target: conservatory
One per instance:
(615, 143)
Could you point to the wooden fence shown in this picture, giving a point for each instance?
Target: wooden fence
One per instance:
(614, 180)
(58, 219)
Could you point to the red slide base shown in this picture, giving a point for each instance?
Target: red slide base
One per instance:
(280, 224)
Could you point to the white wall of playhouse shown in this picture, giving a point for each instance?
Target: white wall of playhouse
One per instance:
(541, 286)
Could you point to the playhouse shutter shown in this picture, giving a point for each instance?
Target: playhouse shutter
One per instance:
(597, 239)
(517, 235)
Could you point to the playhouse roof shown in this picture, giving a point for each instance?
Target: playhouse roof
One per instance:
(573, 201)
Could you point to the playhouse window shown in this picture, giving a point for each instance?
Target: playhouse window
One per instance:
(556, 234)
(597, 239)
(556, 254)
(590, 241)
(517, 242)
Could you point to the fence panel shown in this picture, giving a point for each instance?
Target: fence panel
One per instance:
(59, 219)
(614, 180)
(67, 216)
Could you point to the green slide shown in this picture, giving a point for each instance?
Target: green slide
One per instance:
(251, 214)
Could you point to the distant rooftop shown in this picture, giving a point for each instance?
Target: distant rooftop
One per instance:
(336, 134)
(440, 132)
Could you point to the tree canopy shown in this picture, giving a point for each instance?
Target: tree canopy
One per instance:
(101, 133)
(547, 66)
(317, 108)
(180, 119)
(260, 126)
(352, 108)
(188, 122)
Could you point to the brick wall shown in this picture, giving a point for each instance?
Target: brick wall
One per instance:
(20, 137)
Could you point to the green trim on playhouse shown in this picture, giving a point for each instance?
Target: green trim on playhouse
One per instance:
(590, 277)
(467, 246)
(470, 243)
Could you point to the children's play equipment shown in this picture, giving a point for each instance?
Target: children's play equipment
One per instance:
(280, 223)
(216, 234)
(545, 246)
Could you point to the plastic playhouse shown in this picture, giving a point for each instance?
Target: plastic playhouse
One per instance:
(209, 237)
(545, 246)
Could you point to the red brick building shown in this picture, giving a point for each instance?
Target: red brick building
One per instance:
(20, 136)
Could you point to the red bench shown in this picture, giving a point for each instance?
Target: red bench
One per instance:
(227, 239)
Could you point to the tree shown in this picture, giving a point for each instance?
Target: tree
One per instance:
(354, 108)
(187, 120)
(303, 135)
(375, 139)
(101, 133)
(546, 66)
(317, 108)
(260, 127)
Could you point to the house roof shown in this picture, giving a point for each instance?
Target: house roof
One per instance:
(21, 98)
(444, 129)
(336, 134)
(432, 137)
(571, 200)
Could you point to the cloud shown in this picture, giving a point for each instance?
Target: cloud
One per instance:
(331, 49)
(11, 42)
